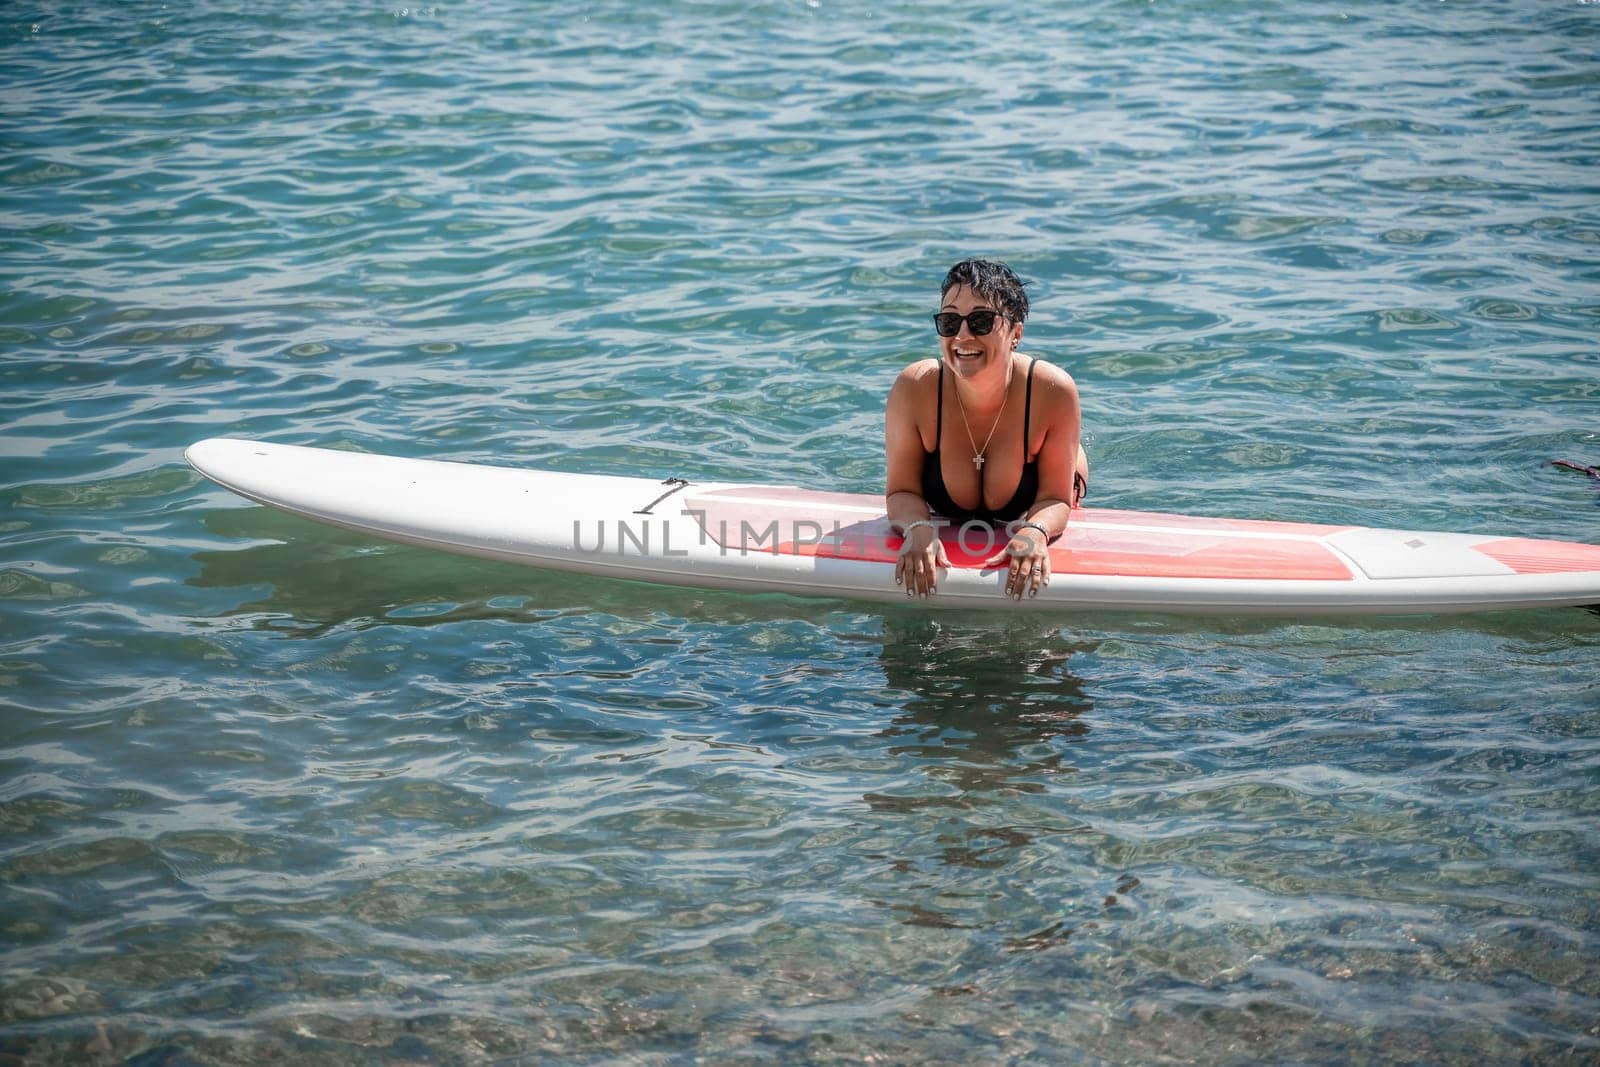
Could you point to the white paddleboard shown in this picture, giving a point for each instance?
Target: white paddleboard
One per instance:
(762, 538)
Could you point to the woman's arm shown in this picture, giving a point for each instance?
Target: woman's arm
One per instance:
(1027, 555)
(922, 555)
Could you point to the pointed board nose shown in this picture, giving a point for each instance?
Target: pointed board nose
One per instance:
(215, 455)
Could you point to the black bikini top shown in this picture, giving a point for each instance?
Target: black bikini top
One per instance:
(938, 497)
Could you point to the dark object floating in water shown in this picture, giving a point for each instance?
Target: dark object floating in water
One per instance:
(1593, 472)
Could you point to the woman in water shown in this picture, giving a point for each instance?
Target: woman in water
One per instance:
(1010, 456)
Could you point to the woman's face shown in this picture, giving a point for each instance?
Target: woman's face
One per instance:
(971, 355)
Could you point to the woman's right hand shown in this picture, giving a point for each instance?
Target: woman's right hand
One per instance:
(920, 559)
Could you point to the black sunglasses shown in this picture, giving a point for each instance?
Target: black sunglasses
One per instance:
(979, 322)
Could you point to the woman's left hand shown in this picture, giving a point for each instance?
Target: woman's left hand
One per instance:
(1027, 559)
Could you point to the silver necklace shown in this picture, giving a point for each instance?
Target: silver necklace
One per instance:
(977, 453)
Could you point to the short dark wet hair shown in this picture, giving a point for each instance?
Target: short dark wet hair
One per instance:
(995, 282)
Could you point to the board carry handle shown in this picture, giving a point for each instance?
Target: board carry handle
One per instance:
(676, 483)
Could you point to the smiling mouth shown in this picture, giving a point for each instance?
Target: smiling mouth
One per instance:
(966, 353)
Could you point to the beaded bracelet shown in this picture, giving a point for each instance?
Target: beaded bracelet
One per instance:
(905, 531)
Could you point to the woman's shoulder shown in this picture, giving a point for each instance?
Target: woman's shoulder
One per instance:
(1050, 379)
(918, 378)
(920, 371)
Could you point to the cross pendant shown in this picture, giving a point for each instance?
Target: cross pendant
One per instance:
(977, 462)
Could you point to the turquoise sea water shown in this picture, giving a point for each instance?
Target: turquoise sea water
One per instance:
(271, 791)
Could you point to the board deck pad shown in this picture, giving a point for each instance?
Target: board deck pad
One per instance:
(763, 538)
(1525, 555)
(1097, 541)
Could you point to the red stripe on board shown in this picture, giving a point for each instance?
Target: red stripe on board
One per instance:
(1150, 556)
(1200, 522)
(1527, 556)
(1174, 547)
(810, 503)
